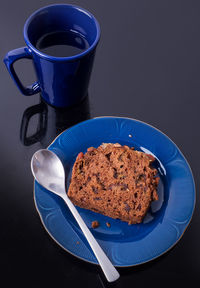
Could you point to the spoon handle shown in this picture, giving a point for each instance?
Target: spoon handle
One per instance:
(109, 270)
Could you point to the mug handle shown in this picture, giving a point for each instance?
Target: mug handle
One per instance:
(9, 61)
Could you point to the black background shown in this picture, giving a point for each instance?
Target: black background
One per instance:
(147, 67)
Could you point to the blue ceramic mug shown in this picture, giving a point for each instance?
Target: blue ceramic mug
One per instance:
(62, 81)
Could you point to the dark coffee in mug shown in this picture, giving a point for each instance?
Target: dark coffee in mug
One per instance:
(62, 43)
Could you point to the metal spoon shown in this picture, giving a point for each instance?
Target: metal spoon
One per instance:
(48, 170)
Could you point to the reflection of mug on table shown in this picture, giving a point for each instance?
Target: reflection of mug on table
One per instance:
(56, 29)
(52, 121)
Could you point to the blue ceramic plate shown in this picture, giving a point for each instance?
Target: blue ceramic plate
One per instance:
(125, 245)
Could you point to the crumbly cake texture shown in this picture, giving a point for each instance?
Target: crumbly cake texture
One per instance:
(114, 180)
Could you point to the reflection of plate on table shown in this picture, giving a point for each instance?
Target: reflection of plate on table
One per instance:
(125, 245)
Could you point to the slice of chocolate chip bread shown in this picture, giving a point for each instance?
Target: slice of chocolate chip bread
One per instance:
(114, 180)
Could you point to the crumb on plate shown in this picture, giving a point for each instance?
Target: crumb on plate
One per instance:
(95, 224)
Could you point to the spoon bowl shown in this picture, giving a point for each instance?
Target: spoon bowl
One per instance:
(48, 171)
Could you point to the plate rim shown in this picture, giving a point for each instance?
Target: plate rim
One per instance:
(152, 258)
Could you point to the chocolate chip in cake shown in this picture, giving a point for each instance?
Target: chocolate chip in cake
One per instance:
(95, 189)
(124, 187)
(108, 156)
(127, 208)
(88, 179)
(97, 198)
(115, 174)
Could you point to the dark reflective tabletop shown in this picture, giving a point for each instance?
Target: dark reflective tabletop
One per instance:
(147, 67)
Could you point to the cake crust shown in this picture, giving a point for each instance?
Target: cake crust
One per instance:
(114, 180)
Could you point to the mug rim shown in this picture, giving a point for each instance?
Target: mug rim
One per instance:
(54, 58)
